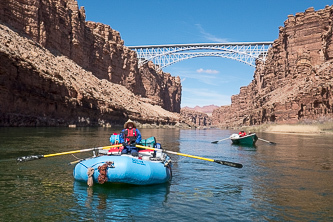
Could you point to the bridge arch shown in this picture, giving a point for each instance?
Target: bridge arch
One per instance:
(166, 55)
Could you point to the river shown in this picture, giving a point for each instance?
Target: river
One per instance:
(289, 181)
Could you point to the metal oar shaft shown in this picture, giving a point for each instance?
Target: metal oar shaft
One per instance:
(69, 152)
(238, 165)
(192, 156)
(217, 141)
(80, 151)
(267, 141)
(35, 157)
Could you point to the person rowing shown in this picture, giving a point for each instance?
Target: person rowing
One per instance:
(130, 136)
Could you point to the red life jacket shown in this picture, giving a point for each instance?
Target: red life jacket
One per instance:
(242, 134)
(130, 135)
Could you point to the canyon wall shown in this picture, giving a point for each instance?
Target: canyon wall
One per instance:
(197, 116)
(295, 84)
(38, 88)
(204, 109)
(194, 118)
(57, 69)
(60, 26)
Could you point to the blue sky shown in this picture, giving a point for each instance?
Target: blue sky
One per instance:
(205, 80)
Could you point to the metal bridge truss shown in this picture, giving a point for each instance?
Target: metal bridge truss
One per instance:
(165, 55)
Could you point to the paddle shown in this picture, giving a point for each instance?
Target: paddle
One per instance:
(231, 164)
(220, 140)
(35, 157)
(272, 143)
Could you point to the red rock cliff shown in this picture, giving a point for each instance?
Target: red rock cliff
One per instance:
(38, 88)
(194, 118)
(63, 70)
(296, 82)
(60, 26)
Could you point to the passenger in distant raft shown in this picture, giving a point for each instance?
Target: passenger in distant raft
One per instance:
(242, 133)
(129, 137)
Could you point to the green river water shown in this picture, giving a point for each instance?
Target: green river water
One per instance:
(289, 181)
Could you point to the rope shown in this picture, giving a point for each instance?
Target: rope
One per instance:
(75, 157)
(90, 181)
(91, 165)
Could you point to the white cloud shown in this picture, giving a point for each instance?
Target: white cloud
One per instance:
(209, 71)
(203, 97)
(203, 77)
(209, 36)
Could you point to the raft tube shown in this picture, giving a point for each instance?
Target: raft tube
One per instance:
(126, 169)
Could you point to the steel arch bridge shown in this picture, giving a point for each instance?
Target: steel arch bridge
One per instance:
(166, 55)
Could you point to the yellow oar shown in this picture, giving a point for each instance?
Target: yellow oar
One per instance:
(238, 165)
(35, 157)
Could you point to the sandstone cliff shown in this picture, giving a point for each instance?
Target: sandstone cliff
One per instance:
(62, 70)
(60, 26)
(39, 88)
(194, 118)
(296, 82)
(197, 116)
(57, 69)
(204, 109)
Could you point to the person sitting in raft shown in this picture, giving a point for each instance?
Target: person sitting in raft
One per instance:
(129, 137)
(241, 133)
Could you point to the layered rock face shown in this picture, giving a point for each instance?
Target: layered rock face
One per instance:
(194, 118)
(204, 109)
(295, 83)
(160, 88)
(64, 70)
(197, 116)
(38, 88)
(60, 26)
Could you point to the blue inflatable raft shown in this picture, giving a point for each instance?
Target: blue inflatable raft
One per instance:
(115, 168)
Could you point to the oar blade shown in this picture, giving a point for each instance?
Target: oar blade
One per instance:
(29, 158)
(231, 164)
(215, 141)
